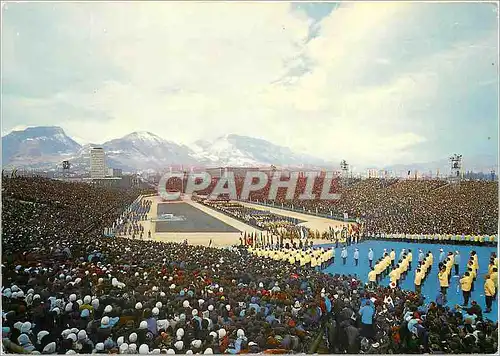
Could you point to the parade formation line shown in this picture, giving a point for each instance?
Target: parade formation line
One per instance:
(430, 286)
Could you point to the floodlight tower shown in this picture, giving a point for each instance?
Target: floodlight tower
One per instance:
(344, 166)
(66, 166)
(455, 168)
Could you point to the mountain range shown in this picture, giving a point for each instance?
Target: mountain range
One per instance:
(45, 147)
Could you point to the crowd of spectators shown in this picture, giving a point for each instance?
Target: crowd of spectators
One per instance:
(412, 206)
(66, 290)
(40, 208)
(390, 205)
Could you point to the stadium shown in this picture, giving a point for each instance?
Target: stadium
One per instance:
(249, 178)
(136, 267)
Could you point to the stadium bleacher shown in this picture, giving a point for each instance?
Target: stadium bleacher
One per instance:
(67, 289)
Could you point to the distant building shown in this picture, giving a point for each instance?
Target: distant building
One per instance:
(97, 163)
(372, 173)
(115, 172)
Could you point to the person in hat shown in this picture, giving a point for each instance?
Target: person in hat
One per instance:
(392, 255)
(494, 278)
(489, 292)
(456, 262)
(372, 278)
(402, 253)
(343, 254)
(421, 256)
(442, 255)
(419, 275)
(410, 259)
(370, 257)
(466, 285)
(443, 280)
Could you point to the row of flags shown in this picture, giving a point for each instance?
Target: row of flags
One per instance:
(304, 232)
(258, 238)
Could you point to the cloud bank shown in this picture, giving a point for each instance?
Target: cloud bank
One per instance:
(374, 83)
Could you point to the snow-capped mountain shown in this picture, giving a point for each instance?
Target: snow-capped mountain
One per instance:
(45, 148)
(145, 150)
(37, 146)
(236, 150)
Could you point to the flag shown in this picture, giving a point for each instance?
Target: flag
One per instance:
(328, 304)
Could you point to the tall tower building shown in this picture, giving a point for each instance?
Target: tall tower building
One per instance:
(97, 163)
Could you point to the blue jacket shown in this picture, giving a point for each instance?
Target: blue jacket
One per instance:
(237, 345)
(412, 326)
(367, 313)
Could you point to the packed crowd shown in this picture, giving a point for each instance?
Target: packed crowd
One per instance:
(400, 206)
(67, 290)
(412, 206)
(42, 208)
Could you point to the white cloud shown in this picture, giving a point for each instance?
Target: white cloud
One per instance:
(188, 71)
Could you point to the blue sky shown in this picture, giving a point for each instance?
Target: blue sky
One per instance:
(378, 83)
